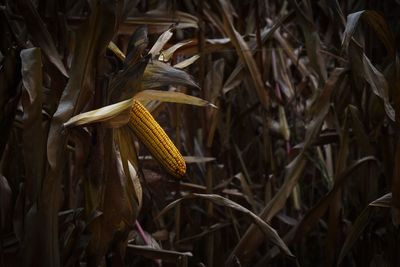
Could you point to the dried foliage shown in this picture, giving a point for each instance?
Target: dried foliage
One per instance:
(289, 130)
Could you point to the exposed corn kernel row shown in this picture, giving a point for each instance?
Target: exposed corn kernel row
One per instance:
(156, 140)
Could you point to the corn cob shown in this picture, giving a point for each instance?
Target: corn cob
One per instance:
(150, 133)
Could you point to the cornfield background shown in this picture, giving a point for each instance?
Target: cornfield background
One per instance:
(299, 164)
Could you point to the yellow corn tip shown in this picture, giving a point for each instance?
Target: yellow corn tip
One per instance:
(150, 133)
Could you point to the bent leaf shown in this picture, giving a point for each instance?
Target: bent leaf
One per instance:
(174, 97)
(244, 54)
(361, 222)
(362, 66)
(40, 34)
(187, 62)
(377, 23)
(219, 200)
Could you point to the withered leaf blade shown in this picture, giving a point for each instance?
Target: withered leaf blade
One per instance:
(252, 239)
(362, 67)
(91, 41)
(244, 54)
(312, 40)
(159, 21)
(173, 97)
(153, 253)
(10, 93)
(123, 137)
(269, 232)
(161, 41)
(158, 74)
(40, 34)
(167, 54)
(137, 44)
(114, 48)
(101, 114)
(195, 159)
(316, 212)
(236, 75)
(187, 62)
(33, 152)
(5, 201)
(361, 222)
(376, 22)
(118, 191)
(128, 81)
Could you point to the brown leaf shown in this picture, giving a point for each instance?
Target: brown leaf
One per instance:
(10, 93)
(269, 232)
(160, 43)
(5, 201)
(361, 222)
(377, 23)
(159, 21)
(362, 67)
(33, 152)
(173, 97)
(312, 40)
(158, 74)
(119, 208)
(252, 238)
(316, 212)
(92, 40)
(244, 53)
(40, 34)
(235, 78)
(137, 44)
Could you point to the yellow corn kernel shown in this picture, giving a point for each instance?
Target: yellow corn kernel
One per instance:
(150, 133)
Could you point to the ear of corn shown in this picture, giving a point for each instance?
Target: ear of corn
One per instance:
(150, 133)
